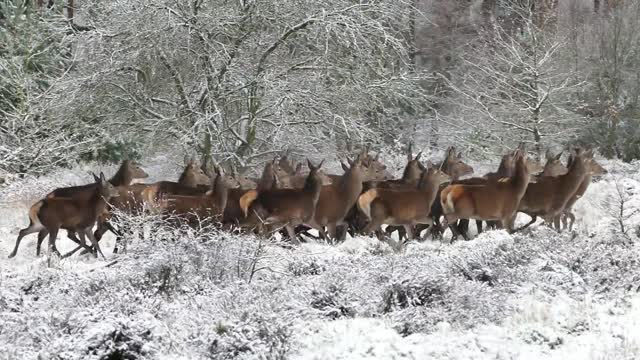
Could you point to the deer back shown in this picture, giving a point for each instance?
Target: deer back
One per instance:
(338, 198)
(494, 200)
(283, 205)
(549, 195)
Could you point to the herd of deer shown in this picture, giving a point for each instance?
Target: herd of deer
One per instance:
(359, 201)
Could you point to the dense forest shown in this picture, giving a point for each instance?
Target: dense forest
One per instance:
(242, 80)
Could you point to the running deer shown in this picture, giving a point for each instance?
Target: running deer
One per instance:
(337, 199)
(194, 208)
(594, 169)
(135, 198)
(491, 201)
(548, 196)
(405, 207)
(74, 214)
(124, 176)
(286, 207)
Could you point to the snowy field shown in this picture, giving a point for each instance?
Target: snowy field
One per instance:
(533, 295)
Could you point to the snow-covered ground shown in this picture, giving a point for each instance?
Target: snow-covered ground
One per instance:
(532, 295)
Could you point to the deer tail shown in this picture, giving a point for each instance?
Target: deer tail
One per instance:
(33, 212)
(246, 200)
(150, 198)
(447, 200)
(365, 200)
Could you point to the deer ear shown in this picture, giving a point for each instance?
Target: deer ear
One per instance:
(418, 156)
(102, 178)
(320, 165)
(410, 152)
(95, 177)
(350, 162)
(460, 155)
(557, 157)
(429, 164)
(344, 166)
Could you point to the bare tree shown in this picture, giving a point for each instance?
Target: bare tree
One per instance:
(513, 83)
(34, 59)
(248, 78)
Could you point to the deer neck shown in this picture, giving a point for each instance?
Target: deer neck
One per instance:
(577, 173)
(410, 175)
(504, 170)
(187, 179)
(99, 203)
(220, 192)
(267, 180)
(520, 179)
(428, 185)
(122, 177)
(312, 186)
(351, 185)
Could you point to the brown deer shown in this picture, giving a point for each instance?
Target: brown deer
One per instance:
(233, 215)
(548, 196)
(194, 208)
(74, 214)
(491, 201)
(337, 199)
(124, 176)
(594, 169)
(136, 198)
(553, 166)
(506, 169)
(286, 207)
(402, 207)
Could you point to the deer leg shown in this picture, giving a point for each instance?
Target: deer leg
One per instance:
(534, 218)
(88, 231)
(556, 223)
(81, 244)
(409, 232)
(508, 223)
(53, 234)
(332, 230)
(572, 219)
(322, 233)
(479, 226)
(24, 232)
(373, 226)
(463, 228)
(341, 232)
(437, 229)
(292, 234)
(41, 235)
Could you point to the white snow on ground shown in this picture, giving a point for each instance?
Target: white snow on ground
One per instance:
(533, 295)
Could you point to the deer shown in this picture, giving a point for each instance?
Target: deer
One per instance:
(286, 207)
(337, 199)
(402, 207)
(135, 198)
(209, 205)
(506, 169)
(489, 201)
(594, 169)
(75, 214)
(549, 195)
(128, 172)
(233, 214)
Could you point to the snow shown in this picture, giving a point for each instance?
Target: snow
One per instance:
(187, 295)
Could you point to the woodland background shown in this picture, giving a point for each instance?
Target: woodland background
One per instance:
(243, 80)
